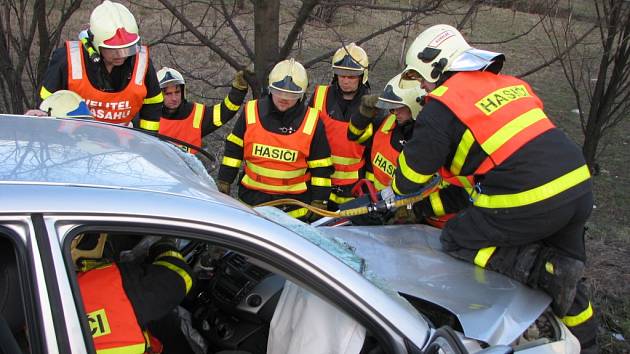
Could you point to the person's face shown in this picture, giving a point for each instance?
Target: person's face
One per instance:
(414, 75)
(283, 104)
(403, 114)
(114, 57)
(172, 96)
(348, 84)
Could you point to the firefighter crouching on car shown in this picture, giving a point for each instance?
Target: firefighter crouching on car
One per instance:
(283, 145)
(122, 299)
(530, 188)
(391, 131)
(109, 69)
(191, 121)
(338, 102)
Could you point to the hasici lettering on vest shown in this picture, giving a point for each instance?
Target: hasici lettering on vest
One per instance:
(274, 153)
(384, 164)
(99, 325)
(499, 98)
(109, 110)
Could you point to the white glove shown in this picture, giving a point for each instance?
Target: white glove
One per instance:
(388, 194)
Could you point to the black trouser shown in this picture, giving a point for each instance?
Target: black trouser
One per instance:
(512, 230)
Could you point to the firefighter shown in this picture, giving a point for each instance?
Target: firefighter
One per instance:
(338, 102)
(283, 144)
(188, 121)
(62, 104)
(530, 188)
(121, 300)
(109, 69)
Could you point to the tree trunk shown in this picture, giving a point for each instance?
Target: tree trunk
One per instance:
(266, 37)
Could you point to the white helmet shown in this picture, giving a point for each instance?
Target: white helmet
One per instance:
(394, 96)
(169, 76)
(351, 60)
(65, 104)
(288, 79)
(442, 48)
(113, 26)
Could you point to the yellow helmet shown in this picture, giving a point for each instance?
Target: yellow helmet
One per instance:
(289, 79)
(90, 246)
(395, 96)
(351, 60)
(65, 104)
(113, 26)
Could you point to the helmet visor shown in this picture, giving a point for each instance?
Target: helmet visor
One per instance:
(347, 72)
(409, 75)
(348, 63)
(118, 53)
(285, 95)
(387, 104)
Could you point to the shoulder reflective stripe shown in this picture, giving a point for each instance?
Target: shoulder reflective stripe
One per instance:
(149, 125)
(173, 254)
(130, 349)
(339, 200)
(345, 175)
(370, 176)
(311, 120)
(228, 161)
(320, 181)
(340, 160)
(325, 162)
(409, 173)
(483, 256)
(533, 195)
(250, 112)
(216, 115)
(576, 320)
(462, 152)
(231, 106)
(198, 115)
(299, 187)
(354, 130)
(159, 98)
(366, 134)
(267, 172)
(436, 203)
(504, 134)
(76, 64)
(182, 273)
(439, 91)
(235, 139)
(297, 213)
(143, 63)
(395, 187)
(389, 123)
(320, 96)
(44, 93)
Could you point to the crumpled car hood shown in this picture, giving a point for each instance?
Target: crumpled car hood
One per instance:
(490, 307)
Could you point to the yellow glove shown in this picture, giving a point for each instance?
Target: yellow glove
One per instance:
(224, 187)
(239, 81)
(368, 106)
(321, 204)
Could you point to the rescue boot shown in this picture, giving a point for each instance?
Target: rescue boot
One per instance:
(558, 276)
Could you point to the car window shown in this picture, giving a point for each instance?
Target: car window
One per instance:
(200, 296)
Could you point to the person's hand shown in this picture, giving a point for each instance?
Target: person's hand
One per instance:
(403, 215)
(368, 106)
(224, 187)
(36, 112)
(388, 194)
(239, 81)
(320, 204)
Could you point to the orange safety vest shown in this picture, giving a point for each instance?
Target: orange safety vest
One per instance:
(187, 129)
(383, 156)
(276, 163)
(347, 155)
(501, 112)
(111, 317)
(112, 107)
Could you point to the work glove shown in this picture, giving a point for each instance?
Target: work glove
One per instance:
(368, 106)
(164, 244)
(321, 204)
(239, 81)
(224, 187)
(388, 194)
(403, 215)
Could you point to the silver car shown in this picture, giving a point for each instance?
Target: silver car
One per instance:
(391, 285)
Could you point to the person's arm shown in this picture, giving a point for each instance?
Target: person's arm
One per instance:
(151, 110)
(219, 114)
(233, 153)
(450, 199)
(320, 164)
(56, 75)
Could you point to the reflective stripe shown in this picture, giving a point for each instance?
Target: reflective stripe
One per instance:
(76, 64)
(576, 320)
(483, 256)
(389, 123)
(409, 173)
(159, 98)
(339, 200)
(288, 188)
(377, 184)
(198, 115)
(395, 187)
(230, 162)
(235, 139)
(345, 175)
(320, 181)
(436, 204)
(182, 273)
(533, 195)
(143, 63)
(340, 160)
(149, 125)
(44, 93)
(367, 134)
(354, 130)
(439, 91)
(512, 128)
(268, 172)
(311, 120)
(131, 349)
(297, 213)
(462, 152)
(250, 112)
(370, 176)
(320, 95)
(216, 115)
(231, 106)
(173, 254)
(325, 162)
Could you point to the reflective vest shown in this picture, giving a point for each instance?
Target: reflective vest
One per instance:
(113, 323)
(383, 156)
(187, 129)
(347, 155)
(112, 107)
(276, 163)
